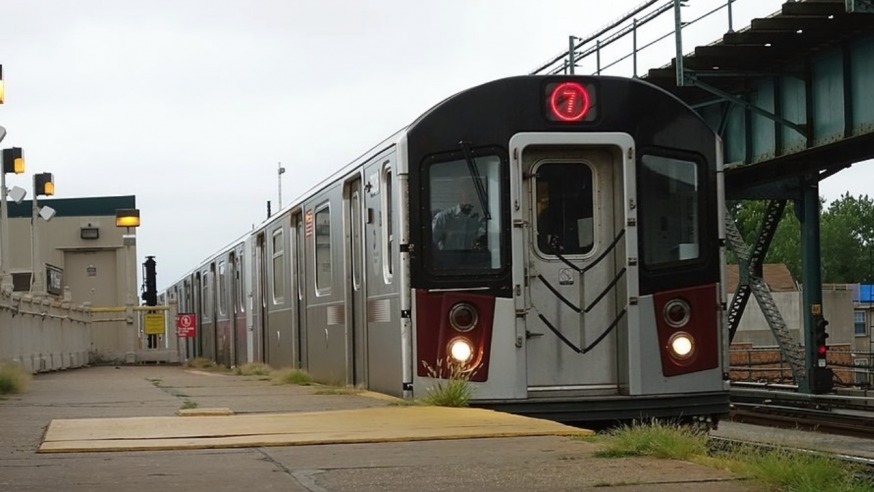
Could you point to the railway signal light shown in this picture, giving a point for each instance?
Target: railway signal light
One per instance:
(13, 160)
(43, 184)
(820, 337)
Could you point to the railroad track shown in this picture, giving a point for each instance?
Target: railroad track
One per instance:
(822, 420)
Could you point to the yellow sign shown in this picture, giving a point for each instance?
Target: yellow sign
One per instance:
(153, 324)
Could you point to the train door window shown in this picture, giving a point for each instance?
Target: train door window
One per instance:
(323, 250)
(278, 267)
(388, 225)
(207, 296)
(355, 217)
(670, 199)
(238, 284)
(565, 201)
(222, 288)
(464, 237)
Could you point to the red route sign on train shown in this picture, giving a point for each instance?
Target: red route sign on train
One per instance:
(185, 323)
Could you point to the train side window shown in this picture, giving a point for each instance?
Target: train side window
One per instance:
(565, 204)
(388, 226)
(323, 250)
(222, 288)
(669, 191)
(278, 268)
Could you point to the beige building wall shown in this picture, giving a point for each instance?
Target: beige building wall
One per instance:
(92, 265)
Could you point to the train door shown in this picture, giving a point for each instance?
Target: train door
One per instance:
(239, 344)
(571, 263)
(197, 297)
(299, 287)
(282, 345)
(207, 324)
(223, 319)
(259, 317)
(356, 319)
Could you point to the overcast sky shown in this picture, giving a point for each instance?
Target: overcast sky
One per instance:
(190, 105)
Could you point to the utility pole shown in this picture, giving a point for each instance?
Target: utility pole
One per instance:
(279, 173)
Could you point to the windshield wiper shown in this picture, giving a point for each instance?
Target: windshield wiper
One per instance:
(475, 176)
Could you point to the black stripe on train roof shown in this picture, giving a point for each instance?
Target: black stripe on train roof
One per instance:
(518, 103)
(75, 207)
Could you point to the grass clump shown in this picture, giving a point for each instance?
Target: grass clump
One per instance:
(13, 378)
(451, 388)
(781, 469)
(776, 469)
(656, 439)
(338, 390)
(200, 363)
(253, 369)
(188, 404)
(291, 376)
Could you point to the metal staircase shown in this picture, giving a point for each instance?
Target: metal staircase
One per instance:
(751, 281)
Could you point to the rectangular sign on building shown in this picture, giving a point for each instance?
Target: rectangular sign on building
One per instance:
(153, 324)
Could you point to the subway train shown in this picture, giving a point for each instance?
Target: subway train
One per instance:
(556, 240)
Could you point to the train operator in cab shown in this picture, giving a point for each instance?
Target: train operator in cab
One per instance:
(462, 226)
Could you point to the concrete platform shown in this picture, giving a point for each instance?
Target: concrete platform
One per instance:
(108, 399)
(366, 425)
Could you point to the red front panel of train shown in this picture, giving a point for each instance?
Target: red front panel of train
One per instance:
(692, 315)
(435, 332)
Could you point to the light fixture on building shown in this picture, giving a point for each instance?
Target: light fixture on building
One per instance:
(127, 217)
(89, 233)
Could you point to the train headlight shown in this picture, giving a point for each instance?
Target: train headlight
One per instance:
(682, 345)
(461, 350)
(677, 313)
(463, 316)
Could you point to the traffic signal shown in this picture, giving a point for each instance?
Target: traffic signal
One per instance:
(13, 160)
(43, 184)
(820, 337)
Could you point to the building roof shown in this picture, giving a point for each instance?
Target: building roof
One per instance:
(777, 276)
(76, 207)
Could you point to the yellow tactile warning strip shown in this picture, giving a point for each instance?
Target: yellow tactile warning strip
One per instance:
(382, 424)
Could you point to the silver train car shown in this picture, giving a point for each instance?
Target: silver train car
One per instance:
(555, 239)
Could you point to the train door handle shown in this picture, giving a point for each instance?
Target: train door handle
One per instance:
(532, 334)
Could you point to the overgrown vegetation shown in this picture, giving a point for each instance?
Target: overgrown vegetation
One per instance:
(253, 369)
(779, 469)
(13, 378)
(291, 376)
(188, 404)
(200, 363)
(452, 386)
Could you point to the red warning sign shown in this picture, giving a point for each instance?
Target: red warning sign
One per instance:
(185, 325)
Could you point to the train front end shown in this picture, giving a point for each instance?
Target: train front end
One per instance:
(565, 253)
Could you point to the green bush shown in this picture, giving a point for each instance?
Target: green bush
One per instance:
(13, 378)
(253, 369)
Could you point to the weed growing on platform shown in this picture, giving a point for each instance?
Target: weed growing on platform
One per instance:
(452, 391)
(188, 404)
(782, 469)
(13, 378)
(253, 369)
(291, 376)
(656, 439)
(200, 363)
(779, 470)
(338, 390)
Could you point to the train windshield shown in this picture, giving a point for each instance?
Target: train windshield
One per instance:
(670, 191)
(465, 216)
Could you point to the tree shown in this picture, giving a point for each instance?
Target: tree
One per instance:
(846, 237)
